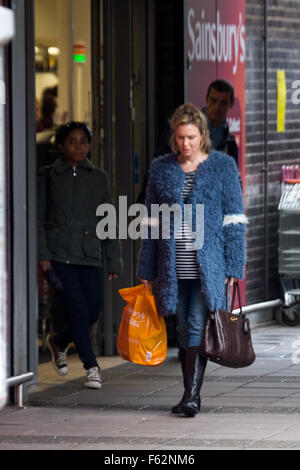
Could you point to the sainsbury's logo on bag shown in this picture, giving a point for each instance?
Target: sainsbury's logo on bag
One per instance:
(135, 318)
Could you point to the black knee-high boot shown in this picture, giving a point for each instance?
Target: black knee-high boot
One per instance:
(194, 373)
(182, 357)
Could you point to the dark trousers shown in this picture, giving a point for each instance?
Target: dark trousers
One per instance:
(82, 297)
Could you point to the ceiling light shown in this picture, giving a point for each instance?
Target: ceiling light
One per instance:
(53, 51)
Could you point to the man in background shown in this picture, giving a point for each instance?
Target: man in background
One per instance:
(219, 100)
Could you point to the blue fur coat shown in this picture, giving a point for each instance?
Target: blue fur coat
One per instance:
(217, 186)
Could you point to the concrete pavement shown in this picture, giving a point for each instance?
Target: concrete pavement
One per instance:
(253, 408)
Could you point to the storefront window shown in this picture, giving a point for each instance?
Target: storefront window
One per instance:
(63, 62)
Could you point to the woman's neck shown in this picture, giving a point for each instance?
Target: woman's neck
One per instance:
(190, 163)
(197, 157)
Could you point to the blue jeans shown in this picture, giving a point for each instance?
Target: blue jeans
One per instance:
(82, 285)
(191, 313)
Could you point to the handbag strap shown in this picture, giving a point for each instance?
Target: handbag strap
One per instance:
(236, 287)
(227, 293)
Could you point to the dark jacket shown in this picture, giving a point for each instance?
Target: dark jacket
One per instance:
(229, 145)
(67, 220)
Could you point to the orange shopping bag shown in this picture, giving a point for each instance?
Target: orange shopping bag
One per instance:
(142, 334)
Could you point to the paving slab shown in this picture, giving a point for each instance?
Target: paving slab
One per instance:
(242, 409)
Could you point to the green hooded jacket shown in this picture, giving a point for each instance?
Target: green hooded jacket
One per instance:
(67, 203)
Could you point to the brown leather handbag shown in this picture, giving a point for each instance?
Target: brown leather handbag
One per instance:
(227, 337)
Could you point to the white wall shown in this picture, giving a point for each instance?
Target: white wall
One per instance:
(46, 21)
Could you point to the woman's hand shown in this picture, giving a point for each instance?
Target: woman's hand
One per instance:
(113, 276)
(45, 265)
(147, 283)
(230, 280)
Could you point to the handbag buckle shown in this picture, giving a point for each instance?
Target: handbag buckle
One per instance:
(235, 318)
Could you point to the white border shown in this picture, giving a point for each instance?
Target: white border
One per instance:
(7, 25)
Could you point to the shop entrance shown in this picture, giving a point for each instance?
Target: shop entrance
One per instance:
(116, 65)
(92, 65)
(124, 57)
(63, 93)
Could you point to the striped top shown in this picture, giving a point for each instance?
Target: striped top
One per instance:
(186, 263)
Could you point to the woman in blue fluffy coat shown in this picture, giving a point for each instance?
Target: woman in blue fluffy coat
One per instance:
(189, 271)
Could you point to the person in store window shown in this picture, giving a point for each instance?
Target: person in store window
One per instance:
(47, 112)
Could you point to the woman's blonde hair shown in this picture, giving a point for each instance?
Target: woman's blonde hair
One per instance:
(189, 114)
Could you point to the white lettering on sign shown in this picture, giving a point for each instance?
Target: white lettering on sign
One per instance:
(216, 41)
(234, 125)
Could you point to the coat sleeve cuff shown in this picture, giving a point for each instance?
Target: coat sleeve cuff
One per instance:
(235, 250)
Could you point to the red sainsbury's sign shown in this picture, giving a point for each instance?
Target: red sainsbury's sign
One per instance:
(215, 41)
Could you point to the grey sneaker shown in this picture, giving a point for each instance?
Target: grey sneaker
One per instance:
(93, 378)
(58, 356)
